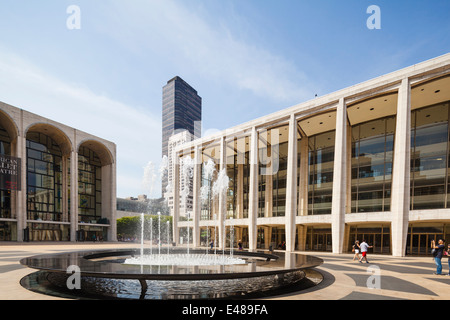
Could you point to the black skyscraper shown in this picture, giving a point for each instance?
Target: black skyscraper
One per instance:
(181, 110)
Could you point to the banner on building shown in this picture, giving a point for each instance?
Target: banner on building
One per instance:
(10, 173)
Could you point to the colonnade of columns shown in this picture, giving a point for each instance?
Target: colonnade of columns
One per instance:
(297, 193)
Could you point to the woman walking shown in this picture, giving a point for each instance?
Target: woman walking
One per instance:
(356, 249)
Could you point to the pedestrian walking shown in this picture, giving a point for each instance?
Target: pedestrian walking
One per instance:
(364, 247)
(447, 253)
(240, 245)
(356, 249)
(438, 253)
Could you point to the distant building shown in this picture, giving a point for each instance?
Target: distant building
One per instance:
(185, 203)
(181, 110)
(57, 183)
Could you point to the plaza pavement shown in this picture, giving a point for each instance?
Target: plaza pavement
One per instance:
(392, 278)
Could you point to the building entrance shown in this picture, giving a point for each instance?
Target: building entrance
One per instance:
(379, 237)
(420, 236)
(318, 239)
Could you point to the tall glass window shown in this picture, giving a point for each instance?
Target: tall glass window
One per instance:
(206, 196)
(372, 148)
(261, 195)
(246, 185)
(272, 162)
(89, 186)
(429, 157)
(44, 178)
(320, 171)
(238, 171)
(232, 192)
(209, 207)
(279, 183)
(5, 195)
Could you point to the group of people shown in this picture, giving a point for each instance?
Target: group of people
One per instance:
(438, 251)
(211, 245)
(362, 247)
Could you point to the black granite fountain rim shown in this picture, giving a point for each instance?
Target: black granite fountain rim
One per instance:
(132, 252)
(264, 265)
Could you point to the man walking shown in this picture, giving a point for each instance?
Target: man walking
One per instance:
(364, 247)
(438, 253)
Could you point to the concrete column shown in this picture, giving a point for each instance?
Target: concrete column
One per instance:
(268, 192)
(339, 179)
(303, 184)
(291, 185)
(112, 203)
(240, 192)
(349, 173)
(401, 171)
(222, 199)
(21, 198)
(268, 237)
(176, 198)
(196, 202)
(346, 238)
(73, 195)
(109, 201)
(253, 191)
(302, 229)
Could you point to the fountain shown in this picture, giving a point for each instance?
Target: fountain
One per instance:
(187, 172)
(178, 273)
(142, 234)
(205, 193)
(168, 235)
(219, 187)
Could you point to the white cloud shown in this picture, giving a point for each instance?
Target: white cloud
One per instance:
(179, 34)
(175, 36)
(25, 86)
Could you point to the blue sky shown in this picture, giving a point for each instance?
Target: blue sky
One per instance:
(246, 58)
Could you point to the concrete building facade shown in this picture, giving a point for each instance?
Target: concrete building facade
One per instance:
(54, 160)
(371, 161)
(185, 179)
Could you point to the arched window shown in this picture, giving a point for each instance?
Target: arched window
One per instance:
(44, 178)
(6, 228)
(89, 186)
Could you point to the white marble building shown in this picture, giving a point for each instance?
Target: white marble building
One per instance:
(370, 161)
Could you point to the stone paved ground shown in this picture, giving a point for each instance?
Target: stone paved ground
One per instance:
(391, 278)
(384, 278)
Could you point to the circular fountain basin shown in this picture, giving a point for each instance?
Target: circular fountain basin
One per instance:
(122, 273)
(185, 259)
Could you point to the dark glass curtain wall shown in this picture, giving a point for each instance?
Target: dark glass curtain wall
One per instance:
(372, 156)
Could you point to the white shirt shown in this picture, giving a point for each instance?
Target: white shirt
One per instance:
(364, 246)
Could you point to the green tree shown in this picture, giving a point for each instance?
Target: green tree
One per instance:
(130, 227)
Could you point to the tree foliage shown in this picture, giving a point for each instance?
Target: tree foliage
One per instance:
(130, 227)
